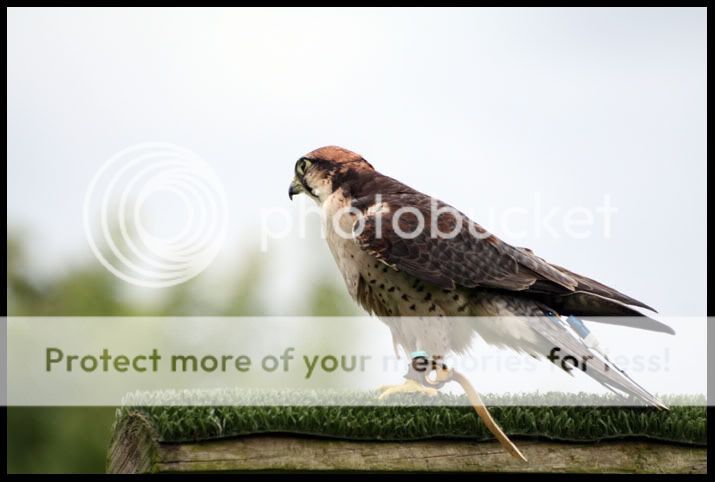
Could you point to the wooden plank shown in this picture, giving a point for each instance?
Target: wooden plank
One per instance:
(134, 447)
(294, 453)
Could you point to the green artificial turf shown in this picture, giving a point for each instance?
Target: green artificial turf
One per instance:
(357, 416)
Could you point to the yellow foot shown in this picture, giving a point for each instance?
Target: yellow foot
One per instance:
(410, 386)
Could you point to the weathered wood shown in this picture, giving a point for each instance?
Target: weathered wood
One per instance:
(136, 452)
(134, 447)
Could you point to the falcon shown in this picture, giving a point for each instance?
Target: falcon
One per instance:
(435, 289)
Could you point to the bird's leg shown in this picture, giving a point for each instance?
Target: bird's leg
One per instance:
(409, 386)
(414, 379)
(419, 381)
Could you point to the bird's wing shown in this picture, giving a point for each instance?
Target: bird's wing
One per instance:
(471, 258)
(475, 258)
(586, 286)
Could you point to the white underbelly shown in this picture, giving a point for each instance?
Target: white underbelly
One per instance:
(338, 224)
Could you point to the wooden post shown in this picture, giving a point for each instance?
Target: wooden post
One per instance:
(135, 448)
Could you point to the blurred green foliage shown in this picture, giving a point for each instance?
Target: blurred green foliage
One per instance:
(75, 439)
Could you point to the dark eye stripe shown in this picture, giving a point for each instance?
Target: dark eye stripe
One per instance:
(302, 165)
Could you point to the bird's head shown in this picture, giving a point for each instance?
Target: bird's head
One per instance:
(320, 172)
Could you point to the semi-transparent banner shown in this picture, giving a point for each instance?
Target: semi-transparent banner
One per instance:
(95, 361)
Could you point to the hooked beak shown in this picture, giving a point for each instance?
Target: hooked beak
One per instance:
(296, 187)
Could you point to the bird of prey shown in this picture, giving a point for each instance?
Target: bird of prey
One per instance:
(435, 290)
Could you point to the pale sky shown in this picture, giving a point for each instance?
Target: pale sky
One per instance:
(486, 109)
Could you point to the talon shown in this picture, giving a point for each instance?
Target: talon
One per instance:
(410, 386)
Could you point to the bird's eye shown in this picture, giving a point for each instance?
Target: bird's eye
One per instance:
(301, 166)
